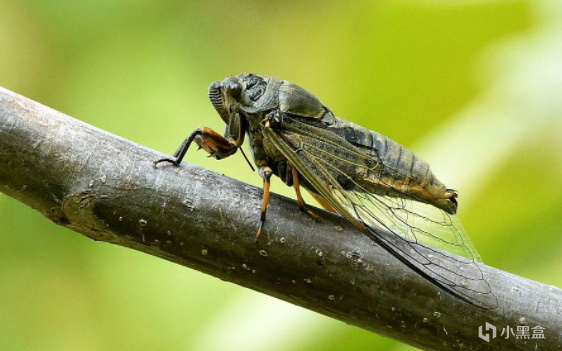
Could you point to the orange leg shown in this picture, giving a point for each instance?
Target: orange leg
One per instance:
(300, 200)
(266, 173)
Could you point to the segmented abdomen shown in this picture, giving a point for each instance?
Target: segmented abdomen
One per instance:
(400, 171)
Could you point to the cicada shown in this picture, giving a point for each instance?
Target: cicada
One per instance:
(383, 189)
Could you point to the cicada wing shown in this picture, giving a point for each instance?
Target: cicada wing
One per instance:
(413, 220)
(405, 229)
(458, 276)
(407, 217)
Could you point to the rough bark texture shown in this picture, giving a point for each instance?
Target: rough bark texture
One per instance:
(107, 188)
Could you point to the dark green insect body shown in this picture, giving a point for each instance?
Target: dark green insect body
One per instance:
(383, 189)
(245, 101)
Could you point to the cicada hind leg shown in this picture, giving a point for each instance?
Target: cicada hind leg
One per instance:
(300, 201)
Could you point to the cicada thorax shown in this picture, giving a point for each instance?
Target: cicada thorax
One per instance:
(276, 98)
(398, 172)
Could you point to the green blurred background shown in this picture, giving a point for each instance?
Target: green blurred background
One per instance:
(473, 87)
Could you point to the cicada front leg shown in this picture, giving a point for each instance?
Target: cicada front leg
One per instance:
(207, 139)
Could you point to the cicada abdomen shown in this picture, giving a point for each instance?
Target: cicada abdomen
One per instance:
(400, 172)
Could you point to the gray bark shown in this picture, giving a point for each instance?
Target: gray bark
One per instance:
(107, 188)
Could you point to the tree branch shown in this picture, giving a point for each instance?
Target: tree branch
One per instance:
(107, 188)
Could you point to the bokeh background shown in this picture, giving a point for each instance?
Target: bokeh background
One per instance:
(474, 87)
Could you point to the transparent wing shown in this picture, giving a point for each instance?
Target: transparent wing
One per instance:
(428, 240)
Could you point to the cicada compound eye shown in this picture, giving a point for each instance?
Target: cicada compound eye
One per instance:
(233, 88)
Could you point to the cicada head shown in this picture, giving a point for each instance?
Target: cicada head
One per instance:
(245, 93)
